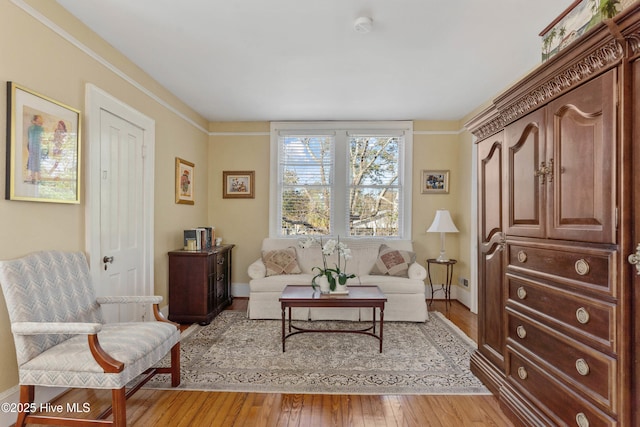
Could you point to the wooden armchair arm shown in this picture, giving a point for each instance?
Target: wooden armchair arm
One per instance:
(106, 362)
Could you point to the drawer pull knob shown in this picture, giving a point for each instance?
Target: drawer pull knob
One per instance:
(521, 331)
(582, 267)
(582, 367)
(582, 315)
(522, 292)
(221, 260)
(522, 256)
(582, 420)
(522, 373)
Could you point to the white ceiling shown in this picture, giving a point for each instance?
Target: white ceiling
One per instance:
(262, 60)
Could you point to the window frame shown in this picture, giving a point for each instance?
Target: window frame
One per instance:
(341, 132)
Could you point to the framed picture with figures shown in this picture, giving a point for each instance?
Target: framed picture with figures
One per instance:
(43, 148)
(238, 184)
(185, 179)
(435, 181)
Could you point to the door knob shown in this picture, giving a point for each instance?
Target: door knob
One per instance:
(107, 259)
(635, 259)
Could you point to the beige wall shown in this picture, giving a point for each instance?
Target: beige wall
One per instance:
(243, 222)
(36, 57)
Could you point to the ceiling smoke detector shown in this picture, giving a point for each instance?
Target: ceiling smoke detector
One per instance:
(363, 24)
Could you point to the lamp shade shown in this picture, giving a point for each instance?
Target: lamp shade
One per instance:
(442, 223)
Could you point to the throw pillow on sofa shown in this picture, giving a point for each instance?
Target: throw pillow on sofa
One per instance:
(281, 261)
(393, 262)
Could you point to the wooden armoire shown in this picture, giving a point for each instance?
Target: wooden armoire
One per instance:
(559, 235)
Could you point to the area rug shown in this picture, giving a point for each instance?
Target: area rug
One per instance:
(235, 353)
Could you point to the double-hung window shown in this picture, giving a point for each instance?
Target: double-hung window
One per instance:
(341, 178)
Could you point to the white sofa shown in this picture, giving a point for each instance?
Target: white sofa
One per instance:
(406, 300)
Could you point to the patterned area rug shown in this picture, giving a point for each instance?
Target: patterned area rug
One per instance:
(234, 353)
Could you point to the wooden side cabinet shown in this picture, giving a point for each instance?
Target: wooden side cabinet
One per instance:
(199, 284)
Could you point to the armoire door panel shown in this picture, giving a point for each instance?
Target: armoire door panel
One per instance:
(490, 187)
(581, 186)
(491, 299)
(525, 142)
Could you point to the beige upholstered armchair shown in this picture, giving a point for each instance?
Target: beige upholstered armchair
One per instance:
(61, 339)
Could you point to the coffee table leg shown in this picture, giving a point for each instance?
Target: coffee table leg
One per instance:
(283, 321)
(374, 320)
(381, 325)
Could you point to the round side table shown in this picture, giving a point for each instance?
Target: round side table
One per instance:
(446, 287)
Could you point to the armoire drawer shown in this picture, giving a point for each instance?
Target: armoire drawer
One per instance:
(591, 269)
(572, 312)
(561, 403)
(578, 365)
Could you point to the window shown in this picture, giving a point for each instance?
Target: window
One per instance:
(341, 178)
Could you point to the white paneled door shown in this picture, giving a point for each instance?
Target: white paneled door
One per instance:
(119, 207)
(121, 213)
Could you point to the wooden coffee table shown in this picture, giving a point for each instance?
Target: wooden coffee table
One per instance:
(358, 296)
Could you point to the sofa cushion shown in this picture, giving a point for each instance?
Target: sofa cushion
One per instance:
(393, 262)
(281, 261)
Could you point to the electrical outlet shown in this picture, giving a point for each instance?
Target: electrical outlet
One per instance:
(463, 282)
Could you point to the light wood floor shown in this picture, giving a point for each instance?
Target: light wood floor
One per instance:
(194, 409)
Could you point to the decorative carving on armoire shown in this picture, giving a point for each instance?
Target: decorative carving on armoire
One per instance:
(489, 128)
(583, 69)
(634, 43)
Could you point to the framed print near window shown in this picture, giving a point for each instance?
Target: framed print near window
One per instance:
(435, 181)
(43, 148)
(238, 184)
(185, 179)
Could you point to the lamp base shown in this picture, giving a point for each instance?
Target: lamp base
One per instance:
(442, 257)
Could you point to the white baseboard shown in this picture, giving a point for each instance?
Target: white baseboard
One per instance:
(240, 290)
(42, 395)
(462, 294)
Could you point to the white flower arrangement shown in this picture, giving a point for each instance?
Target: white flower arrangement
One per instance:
(335, 275)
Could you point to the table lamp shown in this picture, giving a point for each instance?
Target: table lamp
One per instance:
(442, 223)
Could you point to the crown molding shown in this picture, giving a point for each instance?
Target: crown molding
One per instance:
(102, 61)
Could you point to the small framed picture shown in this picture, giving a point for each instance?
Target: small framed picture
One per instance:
(435, 181)
(238, 184)
(185, 179)
(43, 148)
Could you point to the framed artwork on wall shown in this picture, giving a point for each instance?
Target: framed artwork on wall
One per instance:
(238, 184)
(185, 180)
(43, 148)
(435, 181)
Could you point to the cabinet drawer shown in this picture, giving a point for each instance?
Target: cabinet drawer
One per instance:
(578, 365)
(561, 403)
(593, 319)
(591, 269)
